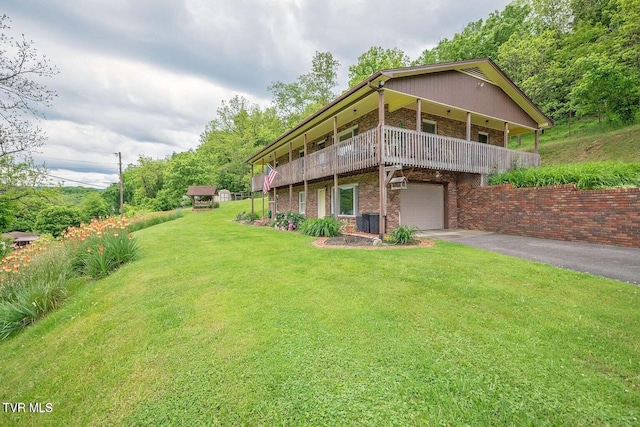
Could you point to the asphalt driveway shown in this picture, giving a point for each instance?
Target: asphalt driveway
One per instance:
(601, 260)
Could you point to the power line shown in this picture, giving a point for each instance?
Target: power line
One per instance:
(73, 180)
(76, 161)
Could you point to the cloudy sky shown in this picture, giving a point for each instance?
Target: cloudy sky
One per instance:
(144, 77)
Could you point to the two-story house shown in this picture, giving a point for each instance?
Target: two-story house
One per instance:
(398, 144)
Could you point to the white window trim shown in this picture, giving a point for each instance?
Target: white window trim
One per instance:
(347, 131)
(355, 200)
(432, 122)
(485, 134)
(302, 202)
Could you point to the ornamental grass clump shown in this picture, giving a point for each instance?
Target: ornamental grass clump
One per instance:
(403, 235)
(101, 246)
(33, 287)
(321, 227)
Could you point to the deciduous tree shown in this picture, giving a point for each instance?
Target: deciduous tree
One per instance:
(376, 59)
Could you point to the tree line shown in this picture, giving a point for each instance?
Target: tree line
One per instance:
(574, 58)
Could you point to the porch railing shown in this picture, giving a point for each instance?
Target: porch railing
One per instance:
(400, 147)
(411, 148)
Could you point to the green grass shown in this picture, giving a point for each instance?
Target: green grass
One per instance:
(585, 176)
(219, 323)
(585, 141)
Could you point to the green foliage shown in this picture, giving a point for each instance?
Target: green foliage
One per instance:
(568, 56)
(376, 59)
(294, 101)
(37, 290)
(336, 337)
(237, 131)
(327, 227)
(288, 220)
(186, 169)
(606, 88)
(402, 235)
(6, 247)
(155, 219)
(247, 217)
(480, 39)
(55, 219)
(585, 176)
(146, 178)
(99, 255)
(93, 206)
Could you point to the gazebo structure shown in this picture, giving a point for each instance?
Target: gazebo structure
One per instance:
(21, 238)
(202, 196)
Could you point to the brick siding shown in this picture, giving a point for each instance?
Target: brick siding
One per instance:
(609, 217)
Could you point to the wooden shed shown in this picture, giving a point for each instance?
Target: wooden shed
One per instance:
(202, 196)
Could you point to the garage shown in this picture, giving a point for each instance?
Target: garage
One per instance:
(422, 206)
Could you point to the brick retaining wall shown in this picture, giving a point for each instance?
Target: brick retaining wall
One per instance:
(609, 217)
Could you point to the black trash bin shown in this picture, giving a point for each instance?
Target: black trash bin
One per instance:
(360, 223)
(374, 223)
(365, 222)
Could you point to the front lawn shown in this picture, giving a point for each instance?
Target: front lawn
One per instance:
(219, 323)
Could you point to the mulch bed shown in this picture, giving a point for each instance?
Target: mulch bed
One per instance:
(364, 242)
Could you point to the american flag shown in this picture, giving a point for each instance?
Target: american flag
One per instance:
(268, 179)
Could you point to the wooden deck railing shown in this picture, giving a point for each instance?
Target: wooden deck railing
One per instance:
(411, 148)
(400, 147)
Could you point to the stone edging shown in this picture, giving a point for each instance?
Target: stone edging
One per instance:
(320, 243)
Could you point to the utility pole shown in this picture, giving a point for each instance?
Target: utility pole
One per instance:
(121, 184)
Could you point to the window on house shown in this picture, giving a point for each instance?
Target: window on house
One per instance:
(343, 136)
(320, 147)
(429, 126)
(348, 133)
(301, 154)
(302, 202)
(348, 200)
(483, 137)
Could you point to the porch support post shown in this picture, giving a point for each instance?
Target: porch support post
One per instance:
(275, 205)
(263, 192)
(537, 141)
(418, 115)
(506, 135)
(304, 174)
(291, 185)
(381, 174)
(468, 126)
(252, 193)
(336, 192)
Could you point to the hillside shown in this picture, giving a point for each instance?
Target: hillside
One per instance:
(586, 141)
(220, 323)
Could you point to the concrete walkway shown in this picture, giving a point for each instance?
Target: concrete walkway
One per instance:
(601, 260)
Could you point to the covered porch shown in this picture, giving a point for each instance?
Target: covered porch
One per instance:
(401, 147)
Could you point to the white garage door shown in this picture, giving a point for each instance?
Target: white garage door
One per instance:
(422, 206)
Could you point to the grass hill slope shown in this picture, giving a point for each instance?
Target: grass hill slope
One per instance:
(220, 323)
(584, 142)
